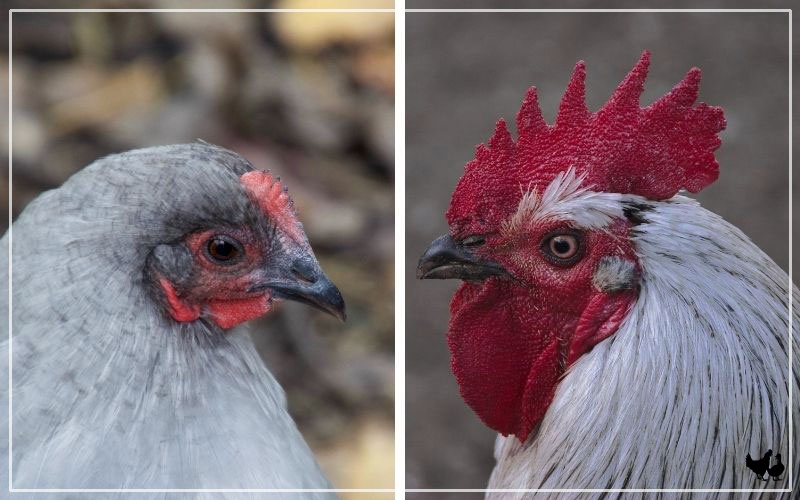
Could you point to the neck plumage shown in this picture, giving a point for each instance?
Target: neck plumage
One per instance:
(696, 377)
(109, 392)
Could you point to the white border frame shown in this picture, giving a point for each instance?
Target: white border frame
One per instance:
(654, 490)
(11, 489)
(399, 489)
(399, 249)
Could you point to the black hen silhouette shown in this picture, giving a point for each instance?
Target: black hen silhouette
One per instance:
(776, 470)
(761, 466)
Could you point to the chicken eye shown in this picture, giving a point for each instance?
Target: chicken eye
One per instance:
(473, 241)
(223, 250)
(562, 248)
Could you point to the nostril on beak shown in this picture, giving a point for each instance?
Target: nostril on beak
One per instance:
(304, 271)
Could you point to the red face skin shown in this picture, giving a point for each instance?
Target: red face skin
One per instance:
(219, 290)
(511, 339)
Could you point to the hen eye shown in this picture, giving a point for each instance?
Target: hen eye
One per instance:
(562, 248)
(224, 250)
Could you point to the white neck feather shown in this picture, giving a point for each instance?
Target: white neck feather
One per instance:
(695, 378)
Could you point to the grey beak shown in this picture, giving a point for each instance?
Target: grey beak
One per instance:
(445, 259)
(309, 285)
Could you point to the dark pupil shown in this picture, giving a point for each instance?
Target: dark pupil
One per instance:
(561, 246)
(221, 249)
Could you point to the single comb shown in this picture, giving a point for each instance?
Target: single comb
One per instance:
(653, 152)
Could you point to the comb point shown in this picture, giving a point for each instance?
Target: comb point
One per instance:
(529, 117)
(572, 110)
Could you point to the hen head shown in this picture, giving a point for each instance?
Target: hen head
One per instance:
(540, 232)
(241, 247)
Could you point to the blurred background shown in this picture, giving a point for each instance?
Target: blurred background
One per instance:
(309, 95)
(466, 70)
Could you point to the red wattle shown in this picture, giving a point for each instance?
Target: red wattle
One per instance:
(540, 388)
(229, 313)
(505, 363)
(510, 347)
(225, 313)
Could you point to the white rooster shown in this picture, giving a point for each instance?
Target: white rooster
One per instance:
(616, 334)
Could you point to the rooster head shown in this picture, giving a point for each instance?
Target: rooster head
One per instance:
(540, 233)
(241, 248)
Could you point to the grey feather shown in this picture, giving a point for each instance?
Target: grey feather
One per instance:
(110, 392)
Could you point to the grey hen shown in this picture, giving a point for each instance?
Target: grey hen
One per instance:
(128, 282)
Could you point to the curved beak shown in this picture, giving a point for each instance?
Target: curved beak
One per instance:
(306, 283)
(446, 259)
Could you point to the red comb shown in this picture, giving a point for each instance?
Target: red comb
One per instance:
(652, 152)
(273, 199)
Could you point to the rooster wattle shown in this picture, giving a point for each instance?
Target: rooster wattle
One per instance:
(615, 333)
(128, 281)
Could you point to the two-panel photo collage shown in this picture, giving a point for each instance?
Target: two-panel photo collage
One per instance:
(398, 249)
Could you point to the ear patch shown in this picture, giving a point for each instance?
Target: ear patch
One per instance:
(273, 199)
(614, 274)
(174, 261)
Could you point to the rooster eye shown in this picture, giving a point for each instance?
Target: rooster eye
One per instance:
(562, 248)
(473, 241)
(223, 250)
